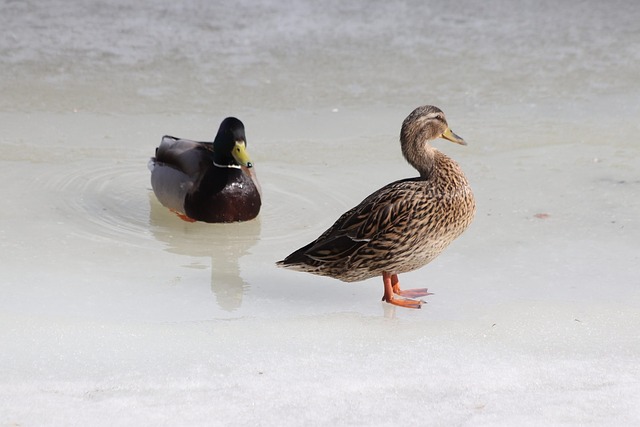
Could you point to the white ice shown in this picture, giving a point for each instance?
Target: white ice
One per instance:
(115, 312)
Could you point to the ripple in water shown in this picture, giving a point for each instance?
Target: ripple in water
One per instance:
(296, 206)
(114, 201)
(104, 201)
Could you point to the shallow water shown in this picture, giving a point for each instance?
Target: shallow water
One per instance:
(111, 303)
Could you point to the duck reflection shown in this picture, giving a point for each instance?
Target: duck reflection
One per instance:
(224, 243)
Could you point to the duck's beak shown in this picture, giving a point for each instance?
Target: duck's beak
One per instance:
(240, 154)
(449, 135)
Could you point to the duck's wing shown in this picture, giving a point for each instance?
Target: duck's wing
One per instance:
(377, 219)
(189, 157)
(177, 169)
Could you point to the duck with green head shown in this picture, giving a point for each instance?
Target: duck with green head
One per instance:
(204, 181)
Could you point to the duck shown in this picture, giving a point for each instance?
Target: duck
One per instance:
(402, 226)
(213, 182)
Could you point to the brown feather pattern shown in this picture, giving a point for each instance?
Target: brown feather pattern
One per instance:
(405, 224)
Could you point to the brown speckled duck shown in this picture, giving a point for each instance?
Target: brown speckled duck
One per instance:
(402, 226)
(207, 181)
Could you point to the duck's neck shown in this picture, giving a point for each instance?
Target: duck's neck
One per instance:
(218, 165)
(421, 157)
(223, 160)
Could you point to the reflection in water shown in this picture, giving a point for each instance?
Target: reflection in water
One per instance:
(388, 311)
(224, 243)
(278, 225)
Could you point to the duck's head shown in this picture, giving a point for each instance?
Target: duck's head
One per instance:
(427, 123)
(424, 124)
(230, 145)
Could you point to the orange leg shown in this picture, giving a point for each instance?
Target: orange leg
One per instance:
(390, 286)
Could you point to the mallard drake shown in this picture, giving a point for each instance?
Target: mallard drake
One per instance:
(402, 226)
(207, 181)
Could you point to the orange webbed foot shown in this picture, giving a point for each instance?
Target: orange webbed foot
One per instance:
(412, 293)
(392, 288)
(183, 217)
(402, 302)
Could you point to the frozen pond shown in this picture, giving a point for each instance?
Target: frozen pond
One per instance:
(114, 311)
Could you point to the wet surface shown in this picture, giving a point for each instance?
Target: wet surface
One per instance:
(110, 300)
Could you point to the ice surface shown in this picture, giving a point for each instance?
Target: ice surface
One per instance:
(115, 312)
